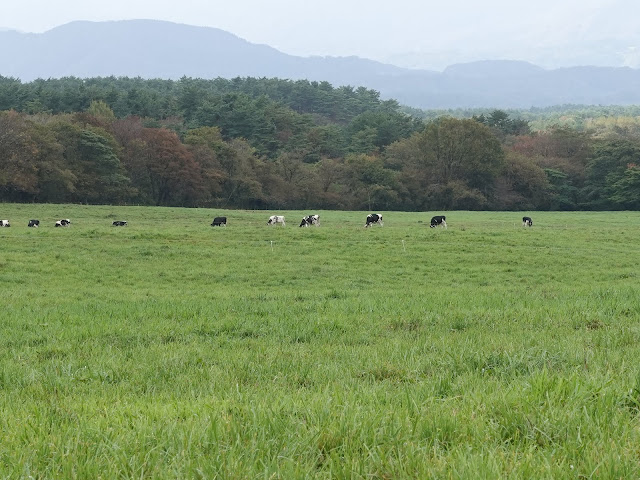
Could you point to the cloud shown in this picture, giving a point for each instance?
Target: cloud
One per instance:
(631, 57)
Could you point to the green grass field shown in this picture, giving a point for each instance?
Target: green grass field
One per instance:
(171, 349)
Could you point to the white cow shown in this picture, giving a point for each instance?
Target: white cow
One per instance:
(4, 223)
(63, 223)
(274, 219)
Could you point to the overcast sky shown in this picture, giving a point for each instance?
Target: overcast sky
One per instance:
(425, 34)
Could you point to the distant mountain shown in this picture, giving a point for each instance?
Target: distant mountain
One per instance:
(488, 68)
(157, 49)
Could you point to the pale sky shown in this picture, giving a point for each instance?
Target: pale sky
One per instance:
(413, 33)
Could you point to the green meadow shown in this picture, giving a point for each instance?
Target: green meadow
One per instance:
(172, 349)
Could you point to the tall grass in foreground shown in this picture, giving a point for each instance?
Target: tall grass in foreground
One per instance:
(171, 349)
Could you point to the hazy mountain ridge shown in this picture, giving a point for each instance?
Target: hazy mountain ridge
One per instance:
(158, 49)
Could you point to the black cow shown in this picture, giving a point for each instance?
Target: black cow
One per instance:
(374, 218)
(438, 220)
(527, 222)
(219, 222)
(310, 220)
(119, 223)
(33, 223)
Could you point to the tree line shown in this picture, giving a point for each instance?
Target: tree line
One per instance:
(269, 143)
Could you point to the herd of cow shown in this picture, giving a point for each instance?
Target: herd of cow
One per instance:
(372, 218)
(36, 223)
(65, 222)
(307, 221)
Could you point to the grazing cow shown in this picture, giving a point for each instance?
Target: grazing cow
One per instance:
(310, 220)
(33, 223)
(438, 220)
(119, 223)
(273, 219)
(374, 218)
(527, 222)
(63, 223)
(219, 222)
(4, 223)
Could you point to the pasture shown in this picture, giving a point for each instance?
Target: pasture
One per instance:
(172, 349)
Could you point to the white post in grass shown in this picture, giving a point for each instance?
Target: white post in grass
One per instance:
(403, 247)
(272, 245)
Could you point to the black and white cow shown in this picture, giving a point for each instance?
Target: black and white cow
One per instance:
(310, 220)
(527, 222)
(274, 219)
(374, 218)
(33, 223)
(4, 223)
(119, 223)
(63, 223)
(438, 220)
(219, 222)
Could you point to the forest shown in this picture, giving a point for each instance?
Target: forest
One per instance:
(259, 143)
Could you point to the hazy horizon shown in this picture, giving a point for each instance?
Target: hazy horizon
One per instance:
(404, 33)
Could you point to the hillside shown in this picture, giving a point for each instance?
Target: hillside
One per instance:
(139, 48)
(266, 143)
